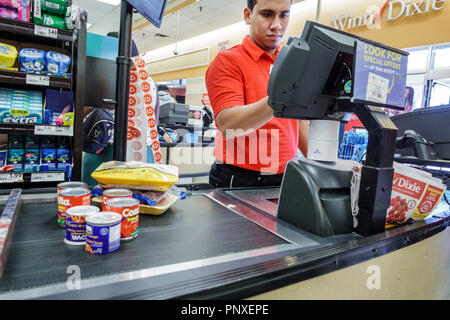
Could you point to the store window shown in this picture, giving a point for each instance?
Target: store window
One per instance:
(429, 75)
(440, 92)
(441, 56)
(417, 60)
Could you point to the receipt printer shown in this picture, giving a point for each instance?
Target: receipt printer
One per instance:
(174, 113)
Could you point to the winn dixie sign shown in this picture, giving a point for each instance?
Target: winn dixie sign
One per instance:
(395, 9)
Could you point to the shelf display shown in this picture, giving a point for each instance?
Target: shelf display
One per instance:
(59, 14)
(36, 154)
(39, 99)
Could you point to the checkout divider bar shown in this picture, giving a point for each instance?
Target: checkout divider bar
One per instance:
(7, 222)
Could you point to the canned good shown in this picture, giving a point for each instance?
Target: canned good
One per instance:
(115, 193)
(68, 198)
(76, 224)
(71, 185)
(128, 208)
(103, 232)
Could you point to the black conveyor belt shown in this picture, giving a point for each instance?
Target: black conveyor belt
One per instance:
(38, 255)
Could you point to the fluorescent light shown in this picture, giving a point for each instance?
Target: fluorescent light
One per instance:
(111, 2)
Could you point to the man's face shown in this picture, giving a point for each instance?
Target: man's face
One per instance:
(268, 22)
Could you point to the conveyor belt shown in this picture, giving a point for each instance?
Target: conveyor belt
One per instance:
(38, 255)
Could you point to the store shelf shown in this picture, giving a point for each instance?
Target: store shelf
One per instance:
(22, 78)
(12, 178)
(36, 129)
(34, 30)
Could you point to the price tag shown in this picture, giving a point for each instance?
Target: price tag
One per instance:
(39, 80)
(44, 130)
(47, 176)
(11, 177)
(45, 31)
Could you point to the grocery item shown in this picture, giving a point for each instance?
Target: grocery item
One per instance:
(32, 160)
(103, 233)
(32, 59)
(32, 142)
(20, 106)
(160, 207)
(115, 193)
(128, 208)
(48, 159)
(58, 103)
(57, 63)
(76, 224)
(3, 154)
(51, 20)
(68, 198)
(15, 9)
(71, 184)
(136, 175)
(62, 118)
(63, 159)
(72, 18)
(8, 55)
(54, 6)
(16, 141)
(16, 159)
(415, 193)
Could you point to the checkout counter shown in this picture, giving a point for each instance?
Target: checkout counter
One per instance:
(248, 243)
(224, 244)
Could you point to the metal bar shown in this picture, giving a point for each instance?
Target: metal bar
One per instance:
(79, 76)
(7, 222)
(123, 82)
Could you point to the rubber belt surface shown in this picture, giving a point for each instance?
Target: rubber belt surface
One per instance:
(194, 228)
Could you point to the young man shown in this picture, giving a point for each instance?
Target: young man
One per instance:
(252, 147)
(164, 95)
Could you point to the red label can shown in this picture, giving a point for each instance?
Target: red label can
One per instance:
(115, 193)
(68, 198)
(129, 209)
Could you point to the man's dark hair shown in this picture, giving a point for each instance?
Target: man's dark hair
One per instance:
(251, 4)
(163, 87)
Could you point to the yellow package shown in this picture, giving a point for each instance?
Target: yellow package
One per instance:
(136, 175)
(8, 55)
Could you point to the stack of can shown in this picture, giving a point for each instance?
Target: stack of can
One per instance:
(100, 232)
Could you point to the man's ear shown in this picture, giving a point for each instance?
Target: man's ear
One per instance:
(247, 14)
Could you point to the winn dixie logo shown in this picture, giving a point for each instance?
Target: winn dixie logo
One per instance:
(411, 187)
(395, 10)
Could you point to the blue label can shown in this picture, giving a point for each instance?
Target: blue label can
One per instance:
(76, 224)
(103, 232)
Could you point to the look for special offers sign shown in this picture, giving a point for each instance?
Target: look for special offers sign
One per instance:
(379, 75)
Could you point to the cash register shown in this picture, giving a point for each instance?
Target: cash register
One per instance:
(323, 76)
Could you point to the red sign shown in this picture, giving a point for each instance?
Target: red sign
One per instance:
(205, 99)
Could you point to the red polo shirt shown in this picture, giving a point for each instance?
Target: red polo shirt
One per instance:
(240, 76)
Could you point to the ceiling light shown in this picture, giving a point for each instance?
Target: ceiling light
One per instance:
(111, 2)
(88, 25)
